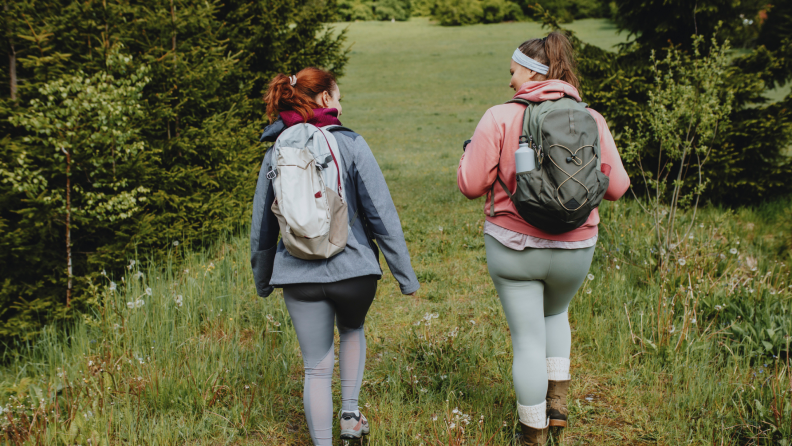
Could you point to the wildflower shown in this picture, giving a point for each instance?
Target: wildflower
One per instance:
(112, 286)
(733, 251)
(178, 300)
(701, 225)
(452, 426)
(104, 273)
(441, 228)
(590, 277)
(148, 291)
(588, 291)
(90, 363)
(672, 329)
(753, 268)
(693, 321)
(456, 410)
(618, 267)
(138, 275)
(722, 256)
(175, 243)
(130, 305)
(442, 377)
(187, 271)
(473, 322)
(690, 237)
(682, 262)
(434, 417)
(116, 326)
(718, 307)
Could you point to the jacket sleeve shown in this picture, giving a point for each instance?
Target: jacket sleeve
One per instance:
(380, 212)
(264, 231)
(619, 181)
(478, 167)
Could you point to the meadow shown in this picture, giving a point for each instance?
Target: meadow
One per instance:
(182, 351)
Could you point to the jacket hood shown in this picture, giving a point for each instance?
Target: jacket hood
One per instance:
(548, 90)
(322, 117)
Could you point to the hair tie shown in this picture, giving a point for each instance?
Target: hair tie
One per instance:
(292, 80)
(529, 63)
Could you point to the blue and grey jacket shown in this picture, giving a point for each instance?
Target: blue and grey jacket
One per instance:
(367, 197)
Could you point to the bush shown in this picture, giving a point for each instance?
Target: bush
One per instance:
(458, 12)
(171, 159)
(495, 11)
(349, 10)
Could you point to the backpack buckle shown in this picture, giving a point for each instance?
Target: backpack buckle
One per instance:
(272, 174)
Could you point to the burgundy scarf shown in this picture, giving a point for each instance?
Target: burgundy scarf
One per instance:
(322, 117)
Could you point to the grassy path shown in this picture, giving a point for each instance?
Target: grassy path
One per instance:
(184, 352)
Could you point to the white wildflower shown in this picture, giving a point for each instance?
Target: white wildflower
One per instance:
(175, 243)
(733, 251)
(139, 275)
(682, 262)
(672, 329)
(112, 286)
(590, 277)
(718, 307)
(148, 291)
(104, 273)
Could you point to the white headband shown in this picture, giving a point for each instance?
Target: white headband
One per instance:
(529, 63)
(292, 80)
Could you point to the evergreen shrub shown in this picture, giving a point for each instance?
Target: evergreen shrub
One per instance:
(163, 146)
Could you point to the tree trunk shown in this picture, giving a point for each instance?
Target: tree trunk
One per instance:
(68, 227)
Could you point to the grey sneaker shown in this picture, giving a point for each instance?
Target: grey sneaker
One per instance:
(353, 426)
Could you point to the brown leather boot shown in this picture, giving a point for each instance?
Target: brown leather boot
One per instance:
(532, 436)
(557, 402)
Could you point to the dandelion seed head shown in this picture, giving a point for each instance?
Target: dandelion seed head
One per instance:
(590, 277)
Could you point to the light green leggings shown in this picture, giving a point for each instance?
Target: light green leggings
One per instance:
(535, 287)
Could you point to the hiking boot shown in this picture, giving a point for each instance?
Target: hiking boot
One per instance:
(353, 426)
(532, 436)
(557, 402)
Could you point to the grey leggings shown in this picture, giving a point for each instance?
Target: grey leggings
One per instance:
(313, 308)
(535, 287)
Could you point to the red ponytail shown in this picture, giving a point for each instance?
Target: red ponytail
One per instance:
(282, 96)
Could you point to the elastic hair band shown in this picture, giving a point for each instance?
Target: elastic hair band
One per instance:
(529, 63)
(292, 80)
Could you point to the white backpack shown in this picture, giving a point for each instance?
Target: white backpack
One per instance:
(309, 199)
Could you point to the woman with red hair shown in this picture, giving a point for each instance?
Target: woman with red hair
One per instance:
(339, 289)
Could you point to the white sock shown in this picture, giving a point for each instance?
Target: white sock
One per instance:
(558, 369)
(534, 416)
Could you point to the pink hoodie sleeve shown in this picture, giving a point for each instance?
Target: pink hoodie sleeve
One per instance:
(619, 181)
(478, 167)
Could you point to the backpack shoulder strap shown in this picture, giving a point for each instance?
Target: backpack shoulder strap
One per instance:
(337, 128)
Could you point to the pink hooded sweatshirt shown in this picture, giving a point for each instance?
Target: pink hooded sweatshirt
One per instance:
(491, 153)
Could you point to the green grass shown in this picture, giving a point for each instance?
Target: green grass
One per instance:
(225, 367)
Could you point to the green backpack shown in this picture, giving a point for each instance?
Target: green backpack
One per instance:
(567, 184)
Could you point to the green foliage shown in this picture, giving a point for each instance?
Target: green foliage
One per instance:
(350, 10)
(177, 162)
(467, 12)
(687, 108)
(458, 12)
(568, 10)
